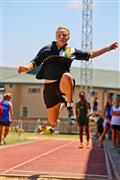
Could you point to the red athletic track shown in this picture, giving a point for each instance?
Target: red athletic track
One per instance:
(51, 157)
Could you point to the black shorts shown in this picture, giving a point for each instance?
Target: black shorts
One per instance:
(116, 127)
(52, 94)
(5, 123)
(100, 128)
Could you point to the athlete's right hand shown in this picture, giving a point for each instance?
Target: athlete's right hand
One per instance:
(22, 69)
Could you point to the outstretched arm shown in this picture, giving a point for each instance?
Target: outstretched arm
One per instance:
(99, 52)
(29, 67)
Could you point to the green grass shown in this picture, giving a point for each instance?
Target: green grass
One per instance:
(15, 138)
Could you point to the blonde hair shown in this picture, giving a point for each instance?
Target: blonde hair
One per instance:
(7, 96)
(63, 27)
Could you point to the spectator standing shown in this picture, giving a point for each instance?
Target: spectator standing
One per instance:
(82, 110)
(6, 118)
(95, 105)
(115, 121)
(99, 125)
(107, 118)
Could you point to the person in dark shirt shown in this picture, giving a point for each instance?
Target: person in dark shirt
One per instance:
(82, 110)
(99, 124)
(55, 62)
(95, 105)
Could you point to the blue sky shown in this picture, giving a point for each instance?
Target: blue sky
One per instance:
(26, 26)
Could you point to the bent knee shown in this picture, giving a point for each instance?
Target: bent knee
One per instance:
(67, 75)
(53, 114)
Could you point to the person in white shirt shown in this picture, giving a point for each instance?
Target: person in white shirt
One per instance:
(115, 121)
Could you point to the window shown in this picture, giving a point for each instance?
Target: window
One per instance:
(24, 111)
(2, 88)
(94, 93)
(34, 90)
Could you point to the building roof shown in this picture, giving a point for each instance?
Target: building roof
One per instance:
(101, 78)
(11, 76)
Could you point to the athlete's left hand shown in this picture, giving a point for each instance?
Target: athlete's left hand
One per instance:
(113, 46)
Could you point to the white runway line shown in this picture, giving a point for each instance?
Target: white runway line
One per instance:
(60, 173)
(20, 144)
(37, 157)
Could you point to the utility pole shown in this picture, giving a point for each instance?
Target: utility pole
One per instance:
(86, 71)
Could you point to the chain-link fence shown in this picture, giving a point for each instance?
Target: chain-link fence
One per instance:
(62, 126)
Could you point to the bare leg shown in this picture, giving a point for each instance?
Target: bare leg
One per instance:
(53, 114)
(81, 135)
(103, 134)
(118, 139)
(114, 133)
(87, 134)
(6, 131)
(66, 86)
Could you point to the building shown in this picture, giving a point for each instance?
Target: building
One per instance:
(27, 91)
